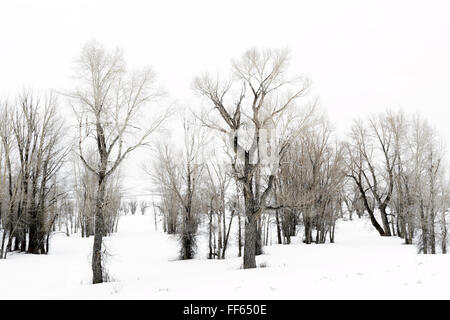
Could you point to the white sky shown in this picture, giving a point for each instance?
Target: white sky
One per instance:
(362, 56)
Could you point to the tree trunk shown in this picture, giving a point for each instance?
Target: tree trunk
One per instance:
(4, 237)
(333, 228)
(444, 234)
(225, 242)
(210, 255)
(239, 235)
(385, 221)
(277, 218)
(258, 243)
(250, 241)
(219, 236)
(97, 267)
(424, 229)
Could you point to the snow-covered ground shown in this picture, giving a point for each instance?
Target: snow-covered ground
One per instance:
(143, 265)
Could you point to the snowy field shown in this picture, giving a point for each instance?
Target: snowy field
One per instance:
(143, 265)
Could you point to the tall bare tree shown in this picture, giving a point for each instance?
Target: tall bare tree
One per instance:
(265, 97)
(373, 155)
(10, 193)
(108, 105)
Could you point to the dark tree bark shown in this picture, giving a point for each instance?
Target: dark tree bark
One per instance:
(250, 242)
(210, 231)
(97, 268)
(225, 243)
(239, 235)
(277, 219)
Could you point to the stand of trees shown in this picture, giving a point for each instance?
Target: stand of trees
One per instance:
(396, 163)
(308, 188)
(295, 175)
(282, 170)
(31, 155)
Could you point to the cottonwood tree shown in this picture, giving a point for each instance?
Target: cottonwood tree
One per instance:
(444, 197)
(427, 176)
(84, 185)
(218, 182)
(38, 132)
(265, 95)
(371, 164)
(325, 159)
(396, 163)
(287, 193)
(9, 183)
(133, 204)
(169, 207)
(179, 173)
(309, 185)
(124, 208)
(67, 216)
(32, 141)
(109, 104)
(402, 205)
(143, 205)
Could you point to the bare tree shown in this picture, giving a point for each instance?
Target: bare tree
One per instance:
(309, 185)
(373, 155)
(11, 192)
(125, 208)
(427, 177)
(395, 161)
(108, 105)
(265, 97)
(218, 181)
(133, 204)
(32, 141)
(180, 175)
(143, 205)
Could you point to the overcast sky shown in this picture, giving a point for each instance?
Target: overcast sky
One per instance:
(362, 56)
